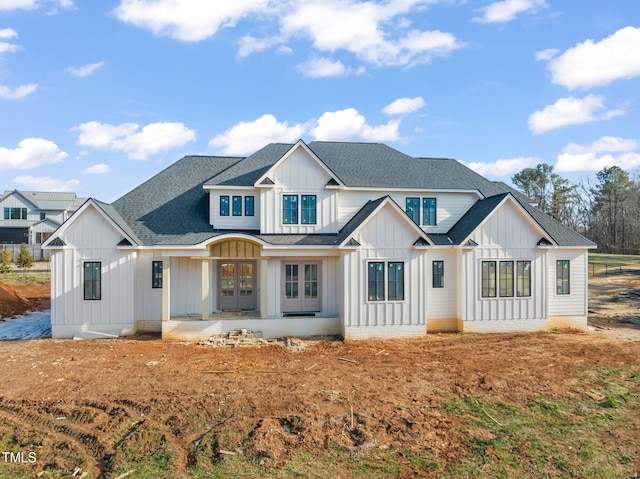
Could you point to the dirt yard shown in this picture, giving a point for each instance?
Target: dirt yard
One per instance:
(325, 408)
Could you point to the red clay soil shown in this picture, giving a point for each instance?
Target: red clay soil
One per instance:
(19, 298)
(86, 403)
(10, 302)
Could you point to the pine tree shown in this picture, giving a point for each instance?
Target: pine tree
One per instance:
(25, 260)
(6, 256)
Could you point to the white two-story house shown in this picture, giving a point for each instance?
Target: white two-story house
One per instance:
(31, 216)
(351, 239)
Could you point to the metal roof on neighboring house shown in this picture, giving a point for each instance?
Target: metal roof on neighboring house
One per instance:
(47, 200)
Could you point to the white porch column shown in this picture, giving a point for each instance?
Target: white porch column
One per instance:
(264, 288)
(205, 289)
(166, 281)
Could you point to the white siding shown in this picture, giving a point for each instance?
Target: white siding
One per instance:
(450, 206)
(443, 302)
(385, 237)
(234, 222)
(507, 235)
(299, 174)
(148, 300)
(575, 303)
(92, 238)
(186, 287)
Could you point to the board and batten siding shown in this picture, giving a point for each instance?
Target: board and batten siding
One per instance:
(506, 235)
(569, 310)
(299, 174)
(385, 237)
(450, 206)
(443, 311)
(148, 300)
(92, 238)
(186, 286)
(231, 222)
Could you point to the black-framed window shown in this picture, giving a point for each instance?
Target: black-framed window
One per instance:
(412, 207)
(375, 281)
(429, 207)
(437, 269)
(92, 280)
(156, 274)
(396, 281)
(308, 209)
(15, 213)
(506, 279)
(43, 215)
(248, 206)
(489, 279)
(237, 205)
(224, 205)
(523, 278)
(290, 209)
(563, 276)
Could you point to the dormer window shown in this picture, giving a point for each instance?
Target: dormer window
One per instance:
(224, 205)
(237, 206)
(308, 215)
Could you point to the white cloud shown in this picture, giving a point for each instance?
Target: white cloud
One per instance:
(571, 111)
(45, 183)
(546, 55)
(8, 5)
(249, 136)
(349, 124)
(99, 169)
(503, 167)
(7, 33)
(590, 64)
(322, 68)
(367, 29)
(617, 152)
(507, 10)
(405, 105)
(187, 20)
(30, 153)
(8, 93)
(357, 27)
(86, 70)
(137, 144)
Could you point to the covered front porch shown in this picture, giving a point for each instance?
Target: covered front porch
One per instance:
(234, 285)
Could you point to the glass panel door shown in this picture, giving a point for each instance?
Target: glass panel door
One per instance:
(237, 288)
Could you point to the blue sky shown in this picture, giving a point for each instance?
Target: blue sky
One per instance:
(96, 97)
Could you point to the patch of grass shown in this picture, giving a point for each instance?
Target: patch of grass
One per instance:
(145, 464)
(19, 278)
(615, 259)
(421, 460)
(550, 438)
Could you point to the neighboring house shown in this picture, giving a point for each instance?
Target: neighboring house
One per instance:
(31, 216)
(350, 239)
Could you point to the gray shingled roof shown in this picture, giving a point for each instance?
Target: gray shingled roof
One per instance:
(247, 171)
(472, 218)
(172, 208)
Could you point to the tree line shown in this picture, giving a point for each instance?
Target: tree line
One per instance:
(606, 211)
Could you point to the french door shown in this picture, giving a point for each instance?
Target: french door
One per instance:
(237, 285)
(301, 287)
